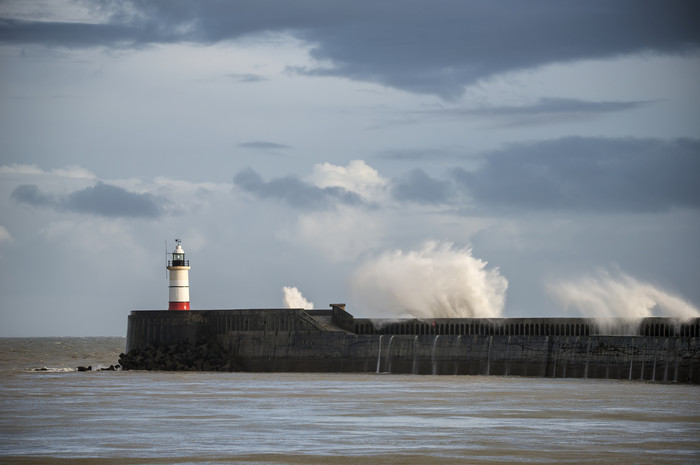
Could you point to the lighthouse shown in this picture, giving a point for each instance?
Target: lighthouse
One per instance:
(179, 290)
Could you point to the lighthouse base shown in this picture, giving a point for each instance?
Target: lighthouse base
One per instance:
(179, 306)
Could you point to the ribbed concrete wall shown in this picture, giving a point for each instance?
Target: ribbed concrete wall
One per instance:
(659, 327)
(618, 357)
(332, 341)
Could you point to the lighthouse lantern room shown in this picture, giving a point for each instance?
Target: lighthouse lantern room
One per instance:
(179, 289)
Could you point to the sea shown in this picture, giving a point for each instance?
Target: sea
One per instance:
(50, 413)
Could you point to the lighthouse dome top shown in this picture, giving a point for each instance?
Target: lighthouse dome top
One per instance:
(178, 256)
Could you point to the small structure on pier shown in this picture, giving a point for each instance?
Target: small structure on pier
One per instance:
(179, 286)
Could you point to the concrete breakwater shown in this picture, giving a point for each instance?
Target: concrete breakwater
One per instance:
(266, 340)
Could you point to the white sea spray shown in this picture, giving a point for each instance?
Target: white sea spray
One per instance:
(607, 294)
(293, 298)
(438, 280)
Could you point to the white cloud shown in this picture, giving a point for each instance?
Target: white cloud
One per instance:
(5, 235)
(190, 186)
(341, 234)
(357, 177)
(21, 169)
(75, 172)
(173, 196)
(92, 236)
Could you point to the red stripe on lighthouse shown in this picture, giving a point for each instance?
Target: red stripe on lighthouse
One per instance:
(179, 306)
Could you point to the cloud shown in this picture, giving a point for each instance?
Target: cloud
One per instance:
(101, 199)
(357, 177)
(618, 295)
(422, 154)
(420, 188)
(74, 172)
(5, 235)
(423, 47)
(544, 111)
(293, 191)
(601, 175)
(438, 48)
(561, 106)
(263, 145)
(340, 234)
(31, 195)
(72, 34)
(246, 77)
(588, 174)
(107, 200)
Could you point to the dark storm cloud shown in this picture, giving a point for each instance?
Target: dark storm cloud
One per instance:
(418, 187)
(263, 145)
(427, 154)
(101, 199)
(589, 174)
(433, 47)
(71, 34)
(246, 77)
(106, 200)
(560, 106)
(293, 191)
(544, 111)
(30, 194)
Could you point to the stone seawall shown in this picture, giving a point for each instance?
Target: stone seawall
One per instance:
(269, 340)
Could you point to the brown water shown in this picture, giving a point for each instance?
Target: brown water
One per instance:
(59, 417)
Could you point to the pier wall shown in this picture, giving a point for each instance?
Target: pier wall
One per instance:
(278, 340)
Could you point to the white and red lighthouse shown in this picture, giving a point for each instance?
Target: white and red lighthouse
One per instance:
(179, 289)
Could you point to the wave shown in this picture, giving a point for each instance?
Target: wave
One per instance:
(51, 370)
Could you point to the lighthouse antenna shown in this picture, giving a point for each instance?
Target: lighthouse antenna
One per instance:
(166, 259)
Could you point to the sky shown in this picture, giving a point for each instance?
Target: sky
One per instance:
(407, 158)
